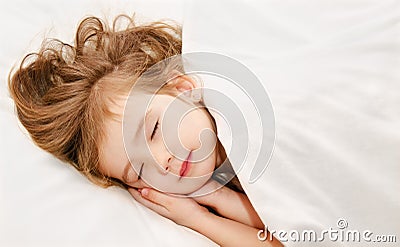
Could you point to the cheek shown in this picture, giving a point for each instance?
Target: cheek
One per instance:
(196, 134)
(158, 150)
(191, 127)
(209, 163)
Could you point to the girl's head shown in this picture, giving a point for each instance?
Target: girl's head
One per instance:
(158, 135)
(71, 100)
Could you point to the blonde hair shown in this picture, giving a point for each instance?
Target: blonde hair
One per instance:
(62, 93)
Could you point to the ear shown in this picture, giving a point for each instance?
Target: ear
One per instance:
(181, 82)
(184, 84)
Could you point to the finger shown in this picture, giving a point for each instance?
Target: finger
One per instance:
(153, 206)
(157, 197)
(134, 192)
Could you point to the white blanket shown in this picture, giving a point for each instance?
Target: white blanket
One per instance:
(332, 71)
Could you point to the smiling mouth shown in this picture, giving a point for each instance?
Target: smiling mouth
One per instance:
(185, 166)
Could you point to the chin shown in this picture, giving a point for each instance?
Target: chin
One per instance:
(181, 186)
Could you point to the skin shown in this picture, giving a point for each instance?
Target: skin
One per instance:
(235, 223)
(160, 166)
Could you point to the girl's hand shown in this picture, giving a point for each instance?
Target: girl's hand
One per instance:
(228, 203)
(181, 210)
(210, 193)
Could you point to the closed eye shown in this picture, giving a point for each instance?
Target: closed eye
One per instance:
(140, 172)
(154, 130)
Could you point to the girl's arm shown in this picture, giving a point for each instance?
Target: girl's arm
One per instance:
(230, 204)
(226, 232)
(187, 212)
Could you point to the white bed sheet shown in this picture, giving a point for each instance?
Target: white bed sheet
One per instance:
(44, 202)
(332, 70)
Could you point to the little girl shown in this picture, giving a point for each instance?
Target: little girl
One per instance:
(71, 99)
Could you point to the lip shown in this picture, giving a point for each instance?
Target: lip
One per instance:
(186, 165)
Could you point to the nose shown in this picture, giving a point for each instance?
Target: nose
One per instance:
(162, 157)
(166, 165)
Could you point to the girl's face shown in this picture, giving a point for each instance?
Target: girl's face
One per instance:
(138, 155)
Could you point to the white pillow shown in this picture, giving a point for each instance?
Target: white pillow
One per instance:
(44, 202)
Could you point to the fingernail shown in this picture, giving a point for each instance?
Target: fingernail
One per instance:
(144, 192)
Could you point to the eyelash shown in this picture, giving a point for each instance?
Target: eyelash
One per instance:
(154, 131)
(140, 172)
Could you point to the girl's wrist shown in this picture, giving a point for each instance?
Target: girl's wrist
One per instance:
(199, 220)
